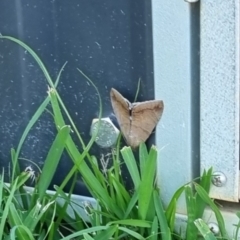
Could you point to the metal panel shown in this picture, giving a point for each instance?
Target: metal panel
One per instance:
(220, 93)
(176, 82)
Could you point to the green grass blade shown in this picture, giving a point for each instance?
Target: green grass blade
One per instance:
(204, 195)
(147, 183)
(14, 218)
(132, 205)
(88, 230)
(87, 236)
(22, 178)
(172, 217)
(116, 159)
(154, 230)
(170, 211)
(237, 226)
(25, 233)
(119, 192)
(120, 188)
(164, 231)
(15, 165)
(35, 215)
(191, 232)
(52, 160)
(1, 186)
(205, 182)
(107, 234)
(98, 172)
(204, 230)
(143, 156)
(132, 222)
(131, 164)
(33, 120)
(132, 233)
(41, 108)
(34, 55)
(6, 208)
(51, 226)
(16, 172)
(98, 191)
(99, 115)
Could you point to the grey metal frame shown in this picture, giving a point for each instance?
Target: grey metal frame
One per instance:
(196, 51)
(176, 71)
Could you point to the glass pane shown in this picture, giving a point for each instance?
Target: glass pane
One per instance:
(110, 41)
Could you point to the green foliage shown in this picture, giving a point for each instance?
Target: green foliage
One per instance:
(119, 214)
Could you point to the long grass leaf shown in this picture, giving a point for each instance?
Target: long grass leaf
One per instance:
(98, 191)
(205, 182)
(131, 233)
(164, 231)
(106, 234)
(131, 208)
(35, 215)
(23, 177)
(87, 236)
(191, 232)
(41, 65)
(14, 218)
(120, 189)
(34, 55)
(132, 222)
(204, 230)
(237, 226)
(51, 226)
(1, 186)
(154, 230)
(131, 164)
(204, 195)
(32, 121)
(170, 211)
(147, 183)
(88, 230)
(172, 217)
(118, 192)
(52, 160)
(26, 234)
(42, 107)
(143, 156)
(6, 208)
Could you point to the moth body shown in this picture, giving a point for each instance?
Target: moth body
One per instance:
(136, 120)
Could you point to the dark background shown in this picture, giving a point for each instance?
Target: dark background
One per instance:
(110, 41)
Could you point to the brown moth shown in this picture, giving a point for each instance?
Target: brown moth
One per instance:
(136, 120)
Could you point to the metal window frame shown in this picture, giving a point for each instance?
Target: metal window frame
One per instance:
(176, 73)
(176, 82)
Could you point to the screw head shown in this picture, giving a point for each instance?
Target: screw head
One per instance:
(214, 228)
(218, 179)
(107, 133)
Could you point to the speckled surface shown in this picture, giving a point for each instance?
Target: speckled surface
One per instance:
(220, 93)
(110, 41)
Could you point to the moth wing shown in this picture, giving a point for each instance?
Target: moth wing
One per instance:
(145, 116)
(120, 107)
